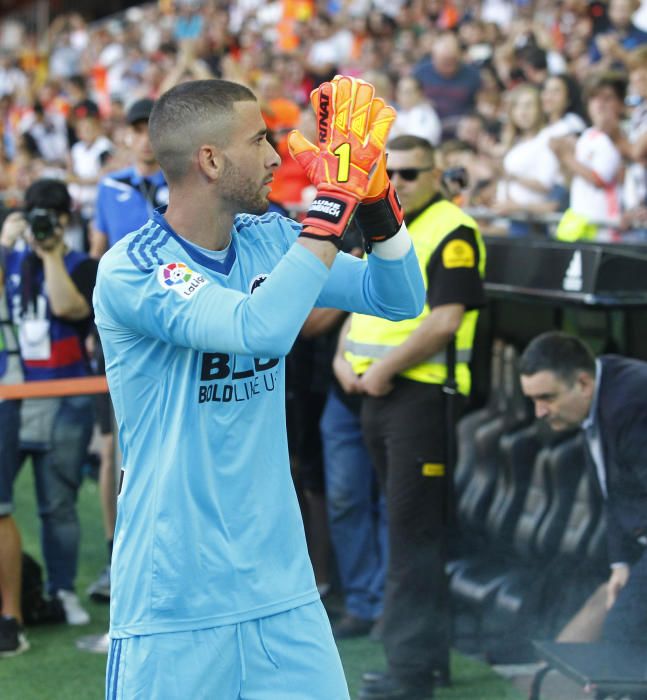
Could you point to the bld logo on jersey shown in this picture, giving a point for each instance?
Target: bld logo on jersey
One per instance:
(181, 279)
(244, 377)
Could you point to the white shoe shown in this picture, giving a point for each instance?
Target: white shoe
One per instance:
(99, 590)
(96, 643)
(75, 614)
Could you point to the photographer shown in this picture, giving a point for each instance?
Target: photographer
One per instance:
(49, 294)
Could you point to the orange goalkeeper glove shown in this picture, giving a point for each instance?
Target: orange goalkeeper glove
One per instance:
(352, 127)
(380, 214)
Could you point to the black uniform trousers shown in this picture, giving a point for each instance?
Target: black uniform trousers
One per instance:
(406, 435)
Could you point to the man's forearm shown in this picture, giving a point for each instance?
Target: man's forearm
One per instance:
(65, 299)
(98, 243)
(431, 337)
(576, 168)
(324, 250)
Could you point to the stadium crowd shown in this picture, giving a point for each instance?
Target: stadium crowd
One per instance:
(536, 112)
(496, 86)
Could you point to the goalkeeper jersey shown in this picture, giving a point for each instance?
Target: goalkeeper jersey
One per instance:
(209, 530)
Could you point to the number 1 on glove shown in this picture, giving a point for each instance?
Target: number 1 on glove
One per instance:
(343, 167)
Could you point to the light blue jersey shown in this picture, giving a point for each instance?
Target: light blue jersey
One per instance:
(209, 531)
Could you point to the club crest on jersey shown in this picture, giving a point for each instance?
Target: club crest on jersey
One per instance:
(257, 282)
(181, 279)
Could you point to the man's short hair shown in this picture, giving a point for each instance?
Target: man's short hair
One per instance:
(560, 353)
(48, 194)
(189, 115)
(456, 146)
(612, 79)
(407, 142)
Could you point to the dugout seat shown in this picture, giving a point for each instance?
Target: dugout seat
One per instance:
(497, 587)
(524, 599)
(466, 427)
(475, 498)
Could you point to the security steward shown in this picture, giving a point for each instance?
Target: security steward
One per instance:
(413, 374)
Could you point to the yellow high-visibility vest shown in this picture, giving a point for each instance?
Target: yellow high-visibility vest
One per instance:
(371, 338)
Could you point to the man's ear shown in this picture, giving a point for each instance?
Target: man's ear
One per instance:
(587, 382)
(210, 162)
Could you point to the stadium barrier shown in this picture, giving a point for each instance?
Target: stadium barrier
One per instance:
(54, 388)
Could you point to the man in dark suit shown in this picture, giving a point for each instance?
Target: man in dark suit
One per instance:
(607, 398)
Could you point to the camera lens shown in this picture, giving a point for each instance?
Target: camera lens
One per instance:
(43, 223)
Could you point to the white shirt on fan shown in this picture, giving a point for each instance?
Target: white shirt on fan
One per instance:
(528, 159)
(595, 150)
(86, 163)
(570, 124)
(421, 121)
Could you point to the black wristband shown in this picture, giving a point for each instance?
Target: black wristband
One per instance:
(378, 220)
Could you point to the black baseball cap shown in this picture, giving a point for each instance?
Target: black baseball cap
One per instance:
(48, 194)
(86, 109)
(139, 111)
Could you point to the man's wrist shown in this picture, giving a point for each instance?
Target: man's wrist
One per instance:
(329, 216)
(395, 247)
(381, 218)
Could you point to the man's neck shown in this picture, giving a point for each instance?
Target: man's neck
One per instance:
(412, 216)
(203, 223)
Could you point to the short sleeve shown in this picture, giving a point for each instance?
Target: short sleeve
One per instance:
(100, 219)
(84, 276)
(453, 271)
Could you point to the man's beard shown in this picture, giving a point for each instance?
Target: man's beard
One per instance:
(243, 195)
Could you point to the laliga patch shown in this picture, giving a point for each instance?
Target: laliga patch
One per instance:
(458, 254)
(181, 279)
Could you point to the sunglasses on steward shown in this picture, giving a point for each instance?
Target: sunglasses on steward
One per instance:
(408, 174)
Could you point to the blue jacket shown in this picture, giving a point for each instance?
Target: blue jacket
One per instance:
(621, 417)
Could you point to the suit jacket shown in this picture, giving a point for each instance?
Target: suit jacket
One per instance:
(621, 418)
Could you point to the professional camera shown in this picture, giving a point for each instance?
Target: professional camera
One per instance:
(455, 178)
(43, 223)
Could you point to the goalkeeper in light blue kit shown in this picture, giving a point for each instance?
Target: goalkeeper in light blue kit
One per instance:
(213, 592)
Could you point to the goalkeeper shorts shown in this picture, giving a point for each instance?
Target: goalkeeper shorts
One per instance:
(288, 656)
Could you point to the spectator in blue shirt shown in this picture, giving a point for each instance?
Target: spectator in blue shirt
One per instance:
(610, 48)
(450, 84)
(126, 198)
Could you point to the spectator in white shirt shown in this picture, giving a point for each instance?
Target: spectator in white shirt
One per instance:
(331, 48)
(49, 131)
(633, 146)
(561, 103)
(594, 162)
(416, 116)
(89, 157)
(524, 185)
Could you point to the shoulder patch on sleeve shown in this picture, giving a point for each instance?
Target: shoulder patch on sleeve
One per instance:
(176, 276)
(458, 253)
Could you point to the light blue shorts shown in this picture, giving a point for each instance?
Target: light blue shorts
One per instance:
(290, 656)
